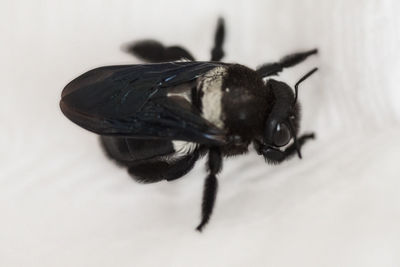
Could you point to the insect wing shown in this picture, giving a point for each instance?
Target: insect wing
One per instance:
(132, 101)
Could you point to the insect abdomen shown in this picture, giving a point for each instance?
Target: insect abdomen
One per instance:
(128, 150)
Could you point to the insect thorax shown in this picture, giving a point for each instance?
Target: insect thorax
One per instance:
(235, 99)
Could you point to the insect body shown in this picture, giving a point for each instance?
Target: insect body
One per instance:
(158, 119)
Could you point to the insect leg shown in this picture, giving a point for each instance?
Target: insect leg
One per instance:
(214, 166)
(288, 61)
(217, 53)
(154, 51)
(276, 156)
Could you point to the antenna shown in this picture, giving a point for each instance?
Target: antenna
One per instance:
(296, 87)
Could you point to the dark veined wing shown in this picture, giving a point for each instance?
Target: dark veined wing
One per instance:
(132, 101)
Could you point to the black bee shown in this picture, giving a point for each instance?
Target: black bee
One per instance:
(158, 119)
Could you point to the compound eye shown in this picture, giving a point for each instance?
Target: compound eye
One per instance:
(282, 135)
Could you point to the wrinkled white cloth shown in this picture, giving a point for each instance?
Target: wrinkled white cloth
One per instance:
(62, 203)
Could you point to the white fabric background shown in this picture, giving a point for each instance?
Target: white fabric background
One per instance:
(62, 203)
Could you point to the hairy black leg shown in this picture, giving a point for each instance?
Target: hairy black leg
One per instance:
(154, 51)
(217, 53)
(214, 166)
(288, 61)
(275, 156)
